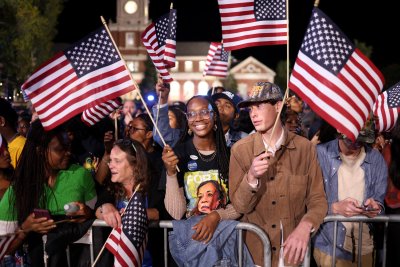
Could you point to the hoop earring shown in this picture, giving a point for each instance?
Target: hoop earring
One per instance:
(215, 127)
(189, 132)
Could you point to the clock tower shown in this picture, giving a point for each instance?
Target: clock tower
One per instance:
(131, 20)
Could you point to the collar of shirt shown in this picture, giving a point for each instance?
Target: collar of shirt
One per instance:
(278, 144)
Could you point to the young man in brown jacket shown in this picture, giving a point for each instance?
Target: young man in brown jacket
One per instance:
(276, 180)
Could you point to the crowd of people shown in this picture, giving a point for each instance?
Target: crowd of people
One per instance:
(207, 164)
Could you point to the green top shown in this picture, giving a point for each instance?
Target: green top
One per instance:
(73, 184)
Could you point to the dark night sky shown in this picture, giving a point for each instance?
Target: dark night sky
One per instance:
(198, 20)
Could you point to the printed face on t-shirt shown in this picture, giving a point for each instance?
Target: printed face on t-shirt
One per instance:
(208, 198)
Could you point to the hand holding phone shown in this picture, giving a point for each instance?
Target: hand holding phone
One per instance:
(40, 213)
(367, 208)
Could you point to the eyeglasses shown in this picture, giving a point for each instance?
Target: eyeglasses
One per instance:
(134, 129)
(204, 114)
(125, 142)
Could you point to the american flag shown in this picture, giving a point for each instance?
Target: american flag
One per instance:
(159, 38)
(387, 108)
(394, 96)
(247, 23)
(88, 73)
(93, 115)
(129, 243)
(217, 61)
(334, 77)
(5, 242)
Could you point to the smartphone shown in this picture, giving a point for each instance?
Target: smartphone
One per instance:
(40, 213)
(367, 208)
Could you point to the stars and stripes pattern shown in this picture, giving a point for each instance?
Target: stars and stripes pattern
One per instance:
(128, 243)
(394, 96)
(217, 61)
(247, 23)
(335, 78)
(387, 108)
(159, 38)
(88, 73)
(5, 242)
(93, 115)
(170, 42)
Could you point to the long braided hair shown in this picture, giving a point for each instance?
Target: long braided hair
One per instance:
(31, 173)
(222, 152)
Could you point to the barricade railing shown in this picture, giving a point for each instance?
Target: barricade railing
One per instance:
(386, 219)
(239, 227)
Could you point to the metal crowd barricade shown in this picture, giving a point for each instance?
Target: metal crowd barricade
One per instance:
(361, 219)
(240, 227)
(386, 219)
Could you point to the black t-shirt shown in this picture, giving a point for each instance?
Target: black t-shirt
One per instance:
(195, 169)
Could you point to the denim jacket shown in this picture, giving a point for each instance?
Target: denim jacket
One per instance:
(188, 252)
(171, 136)
(376, 173)
(232, 136)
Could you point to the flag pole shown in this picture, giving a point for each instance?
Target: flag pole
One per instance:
(135, 85)
(104, 246)
(134, 82)
(286, 94)
(115, 128)
(158, 110)
(287, 51)
(159, 95)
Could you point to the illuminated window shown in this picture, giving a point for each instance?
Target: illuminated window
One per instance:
(202, 65)
(133, 66)
(129, 39)
(188, 66)
(188, 90)
(175, 69)
(242, 90)
(175, 92)
(202, 89)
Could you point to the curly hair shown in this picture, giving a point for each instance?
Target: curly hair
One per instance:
(137, 158)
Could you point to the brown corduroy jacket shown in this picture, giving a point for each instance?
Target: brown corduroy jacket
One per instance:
(290, 191)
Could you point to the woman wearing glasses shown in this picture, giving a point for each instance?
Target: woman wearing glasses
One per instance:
(128, 167)
(125, 191)
(204, 157)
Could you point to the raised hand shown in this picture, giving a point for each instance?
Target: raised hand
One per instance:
(162, 90)
(170, 160)
(259, 166)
